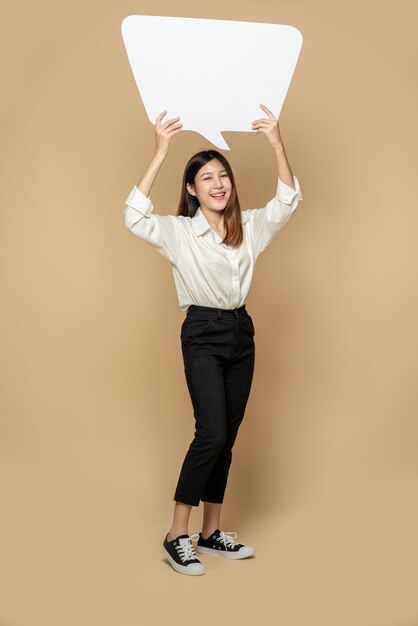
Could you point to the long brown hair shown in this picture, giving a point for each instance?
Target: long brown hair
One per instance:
(189, 204)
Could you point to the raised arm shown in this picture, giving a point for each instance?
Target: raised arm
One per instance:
(163, 134)
(161, 231)
(270, 127)
(265, 223)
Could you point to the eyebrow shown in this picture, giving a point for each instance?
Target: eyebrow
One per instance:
(211, 173)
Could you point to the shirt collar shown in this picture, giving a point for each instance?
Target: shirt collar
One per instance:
(201, 225)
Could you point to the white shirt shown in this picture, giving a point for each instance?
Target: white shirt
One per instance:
(207, 272)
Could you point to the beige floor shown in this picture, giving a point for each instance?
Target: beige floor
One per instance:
(80, 553)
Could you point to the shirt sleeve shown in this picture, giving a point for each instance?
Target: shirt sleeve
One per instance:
(265, 223)
(161, 231)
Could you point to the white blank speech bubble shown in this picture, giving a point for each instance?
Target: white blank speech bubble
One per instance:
(214, 74)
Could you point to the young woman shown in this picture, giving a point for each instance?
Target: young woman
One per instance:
(212, 246)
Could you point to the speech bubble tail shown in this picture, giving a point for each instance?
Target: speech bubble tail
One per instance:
(217, 140)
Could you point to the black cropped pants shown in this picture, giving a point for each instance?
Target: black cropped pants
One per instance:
(219, 354)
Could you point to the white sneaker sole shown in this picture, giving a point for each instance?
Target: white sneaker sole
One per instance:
(195, 569)
(242, 554)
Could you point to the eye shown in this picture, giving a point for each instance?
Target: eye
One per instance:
(222, 176)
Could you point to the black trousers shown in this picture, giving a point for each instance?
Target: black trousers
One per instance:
(219, 355)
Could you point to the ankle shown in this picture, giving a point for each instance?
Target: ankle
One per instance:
(174, 534)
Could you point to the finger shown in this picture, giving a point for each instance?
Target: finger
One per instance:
(269, 113)
(173, 119)
(171, 131)
(263, 119)
(264, 124)
(174, 128)
(169, 122)
(158, 120)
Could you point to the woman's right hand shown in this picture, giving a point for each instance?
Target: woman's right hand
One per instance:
(164, 132)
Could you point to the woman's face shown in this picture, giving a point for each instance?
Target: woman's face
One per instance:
(211, 182)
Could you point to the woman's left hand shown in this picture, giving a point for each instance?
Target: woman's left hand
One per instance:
(270, 127)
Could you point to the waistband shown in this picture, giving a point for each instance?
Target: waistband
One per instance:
(209, 311)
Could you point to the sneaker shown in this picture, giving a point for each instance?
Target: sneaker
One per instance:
(181, 555)
(223, 544)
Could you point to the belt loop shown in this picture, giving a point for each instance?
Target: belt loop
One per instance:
(219, 314)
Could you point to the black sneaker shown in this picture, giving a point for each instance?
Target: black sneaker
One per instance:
(223, 544)
(180, 552)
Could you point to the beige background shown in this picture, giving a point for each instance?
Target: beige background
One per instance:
(95, 413)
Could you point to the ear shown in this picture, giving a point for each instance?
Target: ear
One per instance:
(190, 189)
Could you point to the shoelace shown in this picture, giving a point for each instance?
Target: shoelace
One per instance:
(185, 548)
(226, 539)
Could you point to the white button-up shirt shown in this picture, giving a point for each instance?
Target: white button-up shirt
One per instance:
(207, 272)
